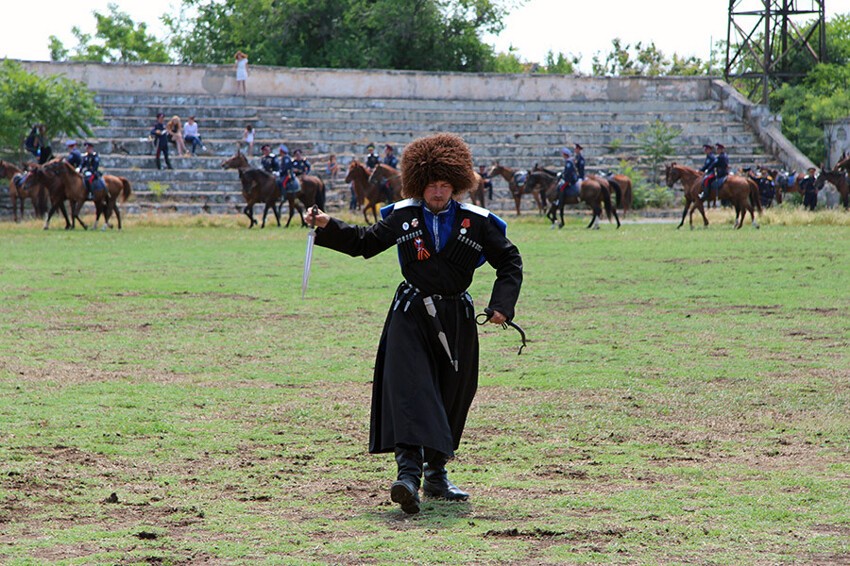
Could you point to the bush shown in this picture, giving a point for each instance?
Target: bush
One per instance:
(651, 196)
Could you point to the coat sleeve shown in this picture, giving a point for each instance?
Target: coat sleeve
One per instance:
(504, 256)
(356, 240)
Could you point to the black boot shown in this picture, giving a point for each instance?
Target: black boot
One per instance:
(168, 162)
(405, 490)
(437, 482)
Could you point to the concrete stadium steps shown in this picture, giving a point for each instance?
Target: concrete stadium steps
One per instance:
(517, 134)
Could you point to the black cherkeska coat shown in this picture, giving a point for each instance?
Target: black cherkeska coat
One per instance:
(418, 398)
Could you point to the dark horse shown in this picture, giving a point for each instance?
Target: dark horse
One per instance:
(368, 193)
(837, 179)
(510, 175)
(594, 191)
(257, 186)
(742, 192)
(18, 194)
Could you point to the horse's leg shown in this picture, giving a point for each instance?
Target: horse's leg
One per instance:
(684, 215)
(117, 212)
(291, 203)
(265, 214)
(517, 201)
(68, 223)
(14, 197)
(77, 211)
(561, 211)
(617, 218)
(49, 215)
(276, 211)
(249, 212)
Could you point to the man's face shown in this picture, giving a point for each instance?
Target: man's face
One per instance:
(437, 195)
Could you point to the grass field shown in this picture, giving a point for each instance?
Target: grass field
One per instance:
(685, 398)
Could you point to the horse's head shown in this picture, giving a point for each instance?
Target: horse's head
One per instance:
(379, 174)
(352, 170)
(495, 169)
(671, 174)
(238, 161)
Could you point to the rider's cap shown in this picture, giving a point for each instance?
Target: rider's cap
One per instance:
(296, 151)
(69, 143)
(811, 169)
(389, 147)
(720, 146)
(88, 144)
(578, 147)
(440, 157)
(566, 151)
(283, 148)
(370, 147)
(707, 146)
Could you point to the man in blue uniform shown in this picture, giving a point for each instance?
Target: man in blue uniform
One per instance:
(569, 178)
(389, 157)
(372, 158)
(288, 181)
(74, 157)
(716, 171)
(579, 162)
(807, 187)
(426, 371)
(300, 165)
(90, 170)
(268, 161)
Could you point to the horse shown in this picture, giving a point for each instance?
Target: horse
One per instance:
(839, 180)
(18, 194)
(312, 192)
(594, 191)
(382, 176)
(64, 183)
(742, 192)
(517, 191)
(366, 191)
(116, 187)
(257, 186)
(784, 184)
(476, 194)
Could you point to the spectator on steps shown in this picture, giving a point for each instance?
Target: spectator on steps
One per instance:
(160, 139)
(248, 140)
(175, 135)
(241, 73)
(191, 135)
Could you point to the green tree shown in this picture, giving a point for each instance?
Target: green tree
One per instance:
(808, 108)
(646, 60)
(64, 106)
(560, 64)
(117, 39)
(436, 35)
(656, 144)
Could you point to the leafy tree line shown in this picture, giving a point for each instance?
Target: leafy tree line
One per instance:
(64, 106)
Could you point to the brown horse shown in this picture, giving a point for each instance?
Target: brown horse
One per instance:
(510, 175)
(839, 180)
(742, 192)
(786, 183)
(476, 195)
(388, 181)
(257, 186)
(368, 194)
(594, 191)
(64, 183)
(37, 194)
(118, 187)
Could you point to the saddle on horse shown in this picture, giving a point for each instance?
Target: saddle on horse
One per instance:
(94, 182)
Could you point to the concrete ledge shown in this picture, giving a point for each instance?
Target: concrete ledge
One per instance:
(348, 83)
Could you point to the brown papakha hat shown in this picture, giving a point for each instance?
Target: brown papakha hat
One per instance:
(440, 157)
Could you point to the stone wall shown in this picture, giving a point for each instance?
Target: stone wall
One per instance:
(347, 83)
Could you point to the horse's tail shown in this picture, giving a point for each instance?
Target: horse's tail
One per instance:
(755, 197)
(125, 192)
(618, 191)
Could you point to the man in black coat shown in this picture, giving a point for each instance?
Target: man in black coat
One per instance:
(426, 372)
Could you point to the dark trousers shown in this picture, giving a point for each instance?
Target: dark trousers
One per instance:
(810, 200)
(163, 149)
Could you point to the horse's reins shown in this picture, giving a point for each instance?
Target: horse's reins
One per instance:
(488, 314)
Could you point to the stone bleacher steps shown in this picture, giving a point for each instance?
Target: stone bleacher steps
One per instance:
(517, 134)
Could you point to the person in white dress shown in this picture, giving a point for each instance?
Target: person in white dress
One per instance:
(241, 73)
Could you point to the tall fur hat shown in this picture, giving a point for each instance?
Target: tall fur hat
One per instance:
(440, 157)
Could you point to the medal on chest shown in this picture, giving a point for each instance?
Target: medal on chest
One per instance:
(421, 252)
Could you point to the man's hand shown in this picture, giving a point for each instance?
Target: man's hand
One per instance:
(498, 318)
(321, 219)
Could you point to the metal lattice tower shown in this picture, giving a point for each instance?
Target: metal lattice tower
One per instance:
(769, 31)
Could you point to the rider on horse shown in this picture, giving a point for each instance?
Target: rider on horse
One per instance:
(569, 178)
(372, 159)
(89, 168)
(268, 161)
(74, 157)
(579, 161)
(717, 171)
(390, 160)
(288, 180)
(300, 165)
